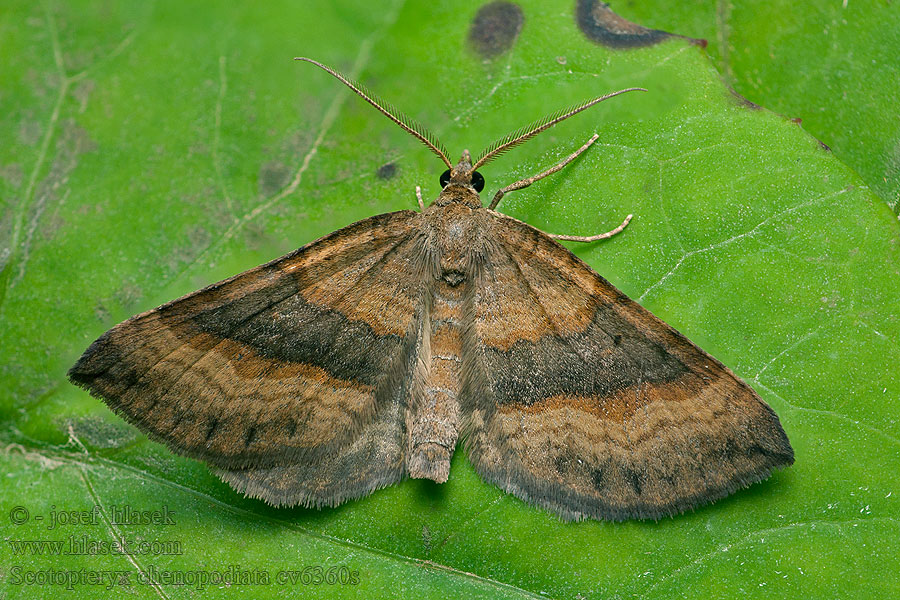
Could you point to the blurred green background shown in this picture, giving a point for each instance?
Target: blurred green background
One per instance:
(151, 148)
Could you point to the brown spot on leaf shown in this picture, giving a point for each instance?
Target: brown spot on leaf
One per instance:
(12, 174)
(82, 92)
(426, 539)
(128, 294)
(198, 238)
(495, 28)
(600, 24)
(29, 132)
(387, 171)
(101, 312)
(273, 176)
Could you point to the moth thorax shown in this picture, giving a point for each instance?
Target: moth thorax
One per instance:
(458, 194)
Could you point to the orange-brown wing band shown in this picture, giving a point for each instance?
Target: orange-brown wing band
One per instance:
(583, 402)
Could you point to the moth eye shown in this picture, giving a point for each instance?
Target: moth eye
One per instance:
(477, 181)
(445, 178)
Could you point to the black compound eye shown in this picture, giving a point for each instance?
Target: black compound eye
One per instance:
(445, 178)
(477, 181)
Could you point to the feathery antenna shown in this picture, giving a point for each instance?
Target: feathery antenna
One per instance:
(526, 133)
(424, 136)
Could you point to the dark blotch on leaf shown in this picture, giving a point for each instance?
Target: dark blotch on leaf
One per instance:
(426, 539)
(386, 171)
(272, 177)
(600, 24)
(495, 28)
(101, 312)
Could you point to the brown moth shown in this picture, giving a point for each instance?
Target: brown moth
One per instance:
(363, 357)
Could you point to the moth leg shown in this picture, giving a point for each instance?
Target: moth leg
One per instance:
(592, 238)
(419, 196)
(524, 183)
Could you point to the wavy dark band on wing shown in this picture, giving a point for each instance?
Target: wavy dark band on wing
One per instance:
(608, 357)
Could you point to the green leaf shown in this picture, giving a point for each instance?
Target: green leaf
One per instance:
(832, 64)
(157, 147)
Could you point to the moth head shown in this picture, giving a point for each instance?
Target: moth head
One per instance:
(463, 174)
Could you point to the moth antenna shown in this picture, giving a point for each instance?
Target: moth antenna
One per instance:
(408, 124)
(529, 131)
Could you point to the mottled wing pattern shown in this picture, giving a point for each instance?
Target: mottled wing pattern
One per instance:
(269, 374)
(578, 399)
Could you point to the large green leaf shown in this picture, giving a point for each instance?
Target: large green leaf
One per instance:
(154, 148)
(831, 64)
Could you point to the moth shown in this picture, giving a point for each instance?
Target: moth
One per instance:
(365, 356)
